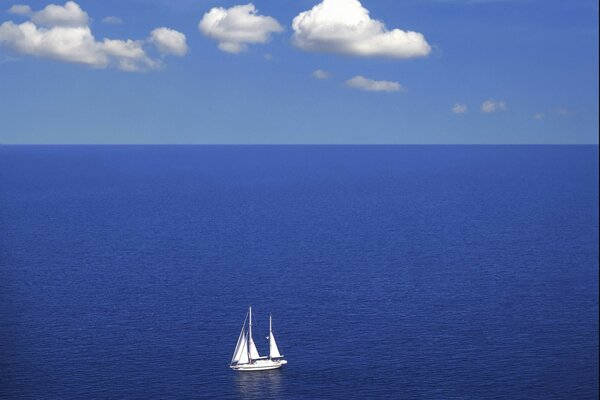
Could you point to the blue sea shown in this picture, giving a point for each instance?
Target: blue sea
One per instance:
(392, 272)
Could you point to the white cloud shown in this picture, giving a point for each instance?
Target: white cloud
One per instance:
(320, 74)
(236, 27)
(490, 106)
(128, 55)
(345, 27)
(70, 44)
(20, 9)
(112, 20)
(169, 41)
(538, 116)
(362, 83)
(459, 108)
(61, 33)
(69, 15)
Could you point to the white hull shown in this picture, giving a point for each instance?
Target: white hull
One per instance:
(260, 365)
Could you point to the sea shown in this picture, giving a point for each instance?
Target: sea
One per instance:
(391, 272)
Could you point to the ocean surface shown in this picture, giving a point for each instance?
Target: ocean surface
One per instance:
(392, 272)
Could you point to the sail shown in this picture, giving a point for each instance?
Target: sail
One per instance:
(240, 355)
(273, 350)
(253, 351)
(244, 352)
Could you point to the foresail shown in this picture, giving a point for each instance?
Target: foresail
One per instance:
(240, 355)
(253, 351)
(273, 350)
(244, 352)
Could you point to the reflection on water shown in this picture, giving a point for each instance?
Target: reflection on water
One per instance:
(259, 384)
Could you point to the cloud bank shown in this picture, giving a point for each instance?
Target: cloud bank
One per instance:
(370, 85)
(236, 27)
(62, 33)
(345, 27)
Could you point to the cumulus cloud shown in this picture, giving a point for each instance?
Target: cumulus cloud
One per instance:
(490, 106)
(20, 9)
(459, 108)
(236, 27)
(69, 15)
(320, 74)
(70, 44)
(62, 33)
(128, 55)
(370, 85)
(112, 20)
(169, 41)
(345, 27)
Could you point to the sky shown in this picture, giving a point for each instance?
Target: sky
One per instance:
(299, 72)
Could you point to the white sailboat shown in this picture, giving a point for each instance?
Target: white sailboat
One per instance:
(246, 356)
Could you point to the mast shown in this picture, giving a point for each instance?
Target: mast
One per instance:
(250, 336)
(270, 335)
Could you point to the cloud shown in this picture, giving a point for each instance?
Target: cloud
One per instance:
(20, 9)
(74, 44)
(62, 33)
(112, 20)
(538, 116)
(320, 74)
(345, 27)
(459, 108)
(236, 27)
(69, 15)
(169, 41)
(490, 106)
(362, 83)
(562, 111)
(128, 55)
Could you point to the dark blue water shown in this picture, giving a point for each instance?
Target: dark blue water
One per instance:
(417, 272)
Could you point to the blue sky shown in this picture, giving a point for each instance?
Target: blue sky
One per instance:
(475, 71)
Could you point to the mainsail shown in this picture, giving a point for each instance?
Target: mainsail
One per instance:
(253, 350)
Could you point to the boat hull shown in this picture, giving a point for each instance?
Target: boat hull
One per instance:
(260, 365)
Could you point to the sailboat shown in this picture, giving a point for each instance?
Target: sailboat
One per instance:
(246, 356)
